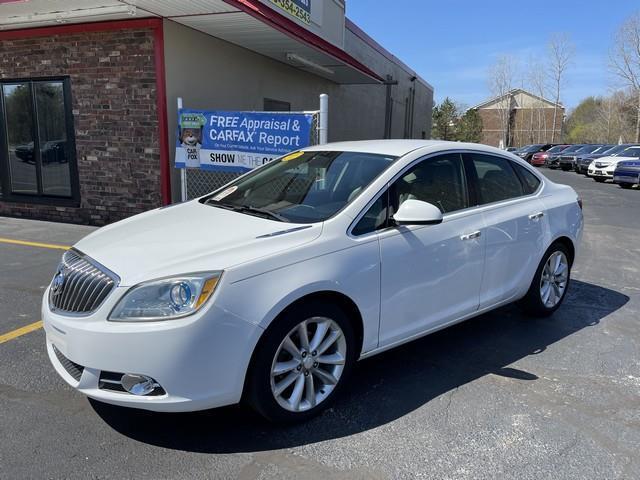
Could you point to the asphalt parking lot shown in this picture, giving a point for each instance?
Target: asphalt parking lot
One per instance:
(500, 396)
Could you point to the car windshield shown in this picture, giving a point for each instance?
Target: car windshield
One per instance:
(589, 148)
(603, 149)
(631, 152)
(531, 148)
(617, 150)
(302, 187)
(572, 148)
(556, 149)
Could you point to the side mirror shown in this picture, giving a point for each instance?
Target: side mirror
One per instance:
(417, 212)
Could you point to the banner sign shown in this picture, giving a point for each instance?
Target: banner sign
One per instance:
(238, 141)
(300, 9)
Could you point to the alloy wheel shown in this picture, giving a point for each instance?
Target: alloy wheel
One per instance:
(554, 279)
(308, 364)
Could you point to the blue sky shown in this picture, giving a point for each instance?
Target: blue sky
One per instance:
(452, 43)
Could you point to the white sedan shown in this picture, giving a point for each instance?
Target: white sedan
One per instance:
(602, 169)
(271, 288)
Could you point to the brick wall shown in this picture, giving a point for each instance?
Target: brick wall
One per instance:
(524, 128)
(113, 85)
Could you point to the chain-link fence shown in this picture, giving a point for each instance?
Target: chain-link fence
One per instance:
(200, 182)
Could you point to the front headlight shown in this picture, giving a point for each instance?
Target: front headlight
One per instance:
(166, 299)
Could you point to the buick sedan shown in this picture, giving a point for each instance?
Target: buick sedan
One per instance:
(269, 289)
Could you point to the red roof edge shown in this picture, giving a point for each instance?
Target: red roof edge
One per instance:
(293, 30)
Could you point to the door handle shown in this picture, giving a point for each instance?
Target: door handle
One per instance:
(536, 216)
(470, 236)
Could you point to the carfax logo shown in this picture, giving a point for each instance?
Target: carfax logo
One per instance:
(190, 137)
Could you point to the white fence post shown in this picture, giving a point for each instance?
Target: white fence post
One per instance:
(323, 128)
(183, 171)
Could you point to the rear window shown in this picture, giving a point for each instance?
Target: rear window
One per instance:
(529, 180)
(496, 179)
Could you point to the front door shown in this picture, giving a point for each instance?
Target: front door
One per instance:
(430, 275)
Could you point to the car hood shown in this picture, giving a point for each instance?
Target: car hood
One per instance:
(613, 160)
(630, 163)
(189, 237)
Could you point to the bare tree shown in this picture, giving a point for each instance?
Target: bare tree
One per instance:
(560, 52)
(537, 82)
(606, 121)
(501, 78)
(625, 60)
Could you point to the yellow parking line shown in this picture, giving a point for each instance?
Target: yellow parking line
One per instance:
(18, 332)
(34, 244)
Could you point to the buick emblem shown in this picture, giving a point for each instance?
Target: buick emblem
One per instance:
(58, 282)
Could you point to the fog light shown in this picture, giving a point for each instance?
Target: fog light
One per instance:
(138, 384)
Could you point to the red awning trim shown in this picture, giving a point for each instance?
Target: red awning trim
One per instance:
(295, 31)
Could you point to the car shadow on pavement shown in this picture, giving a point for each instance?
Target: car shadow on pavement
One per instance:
(385, 387)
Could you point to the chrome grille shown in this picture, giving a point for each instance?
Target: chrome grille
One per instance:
(80, 284)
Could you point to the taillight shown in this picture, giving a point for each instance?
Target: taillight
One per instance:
(580, 203)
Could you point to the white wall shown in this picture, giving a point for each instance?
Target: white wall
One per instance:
(209, 73)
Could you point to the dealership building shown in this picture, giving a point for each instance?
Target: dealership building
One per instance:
(89, 88)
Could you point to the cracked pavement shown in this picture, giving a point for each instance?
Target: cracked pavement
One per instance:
(500, 396)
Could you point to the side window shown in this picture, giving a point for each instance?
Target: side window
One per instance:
(375, 218)
(529, 180)
(438, 180)
(496, 179)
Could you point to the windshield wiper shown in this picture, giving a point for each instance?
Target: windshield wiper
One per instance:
(261, 211)
(215, 203)
(249, 210)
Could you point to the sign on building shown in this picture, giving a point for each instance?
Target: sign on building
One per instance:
(238, 141)
(300, 9)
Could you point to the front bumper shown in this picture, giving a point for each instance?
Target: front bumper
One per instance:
(601, 172)
(200, 361)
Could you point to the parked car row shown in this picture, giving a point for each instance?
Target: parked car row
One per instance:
(602, 162)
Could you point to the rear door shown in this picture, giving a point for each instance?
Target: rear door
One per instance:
(514, 218)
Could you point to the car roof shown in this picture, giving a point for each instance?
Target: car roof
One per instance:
(399, 148)
(382, 147)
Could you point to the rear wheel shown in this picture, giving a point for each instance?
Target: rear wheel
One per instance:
(550, 283)
(302, 362)
(625, 185)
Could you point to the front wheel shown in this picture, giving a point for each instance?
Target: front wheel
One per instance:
(302, 362)
(599, 179)
(625, 185)
(550, 283)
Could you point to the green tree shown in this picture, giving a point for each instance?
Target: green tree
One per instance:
(582, 124)
(469, 128)
(445, 118)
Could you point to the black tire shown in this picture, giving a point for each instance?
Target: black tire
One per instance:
(599, 179)
(625, 185)
(258, 392)
(532, 302)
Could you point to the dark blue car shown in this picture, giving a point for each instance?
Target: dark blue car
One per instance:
(627, 173)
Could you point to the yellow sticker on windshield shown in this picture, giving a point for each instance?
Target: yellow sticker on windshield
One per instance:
(292, 156)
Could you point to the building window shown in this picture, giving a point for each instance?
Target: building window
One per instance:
(37, 144)
(271, 105)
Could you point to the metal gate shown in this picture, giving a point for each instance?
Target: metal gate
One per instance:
(197, 182)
